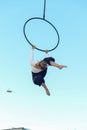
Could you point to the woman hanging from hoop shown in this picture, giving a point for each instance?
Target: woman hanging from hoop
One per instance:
(39, 69)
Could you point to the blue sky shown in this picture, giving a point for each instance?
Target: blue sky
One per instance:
(28, 105)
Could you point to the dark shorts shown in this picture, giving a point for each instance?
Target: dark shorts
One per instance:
(38, 78)
(48, 59)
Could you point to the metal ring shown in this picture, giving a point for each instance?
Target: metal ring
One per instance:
(24, 27)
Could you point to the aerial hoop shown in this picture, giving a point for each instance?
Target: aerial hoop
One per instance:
(43, 19)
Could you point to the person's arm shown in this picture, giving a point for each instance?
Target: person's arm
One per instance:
(32, 55)
(46, 51)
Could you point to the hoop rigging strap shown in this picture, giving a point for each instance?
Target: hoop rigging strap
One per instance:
(44, 9)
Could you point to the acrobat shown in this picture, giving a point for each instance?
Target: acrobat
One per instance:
(39, 69)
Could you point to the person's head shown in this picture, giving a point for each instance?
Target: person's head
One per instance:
(42, 65)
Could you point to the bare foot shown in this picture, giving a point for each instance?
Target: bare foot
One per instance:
(47, 92)
(62, 66)
(46, 89)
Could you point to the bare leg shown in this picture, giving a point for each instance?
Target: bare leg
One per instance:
(57, 65)
(46, 89)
